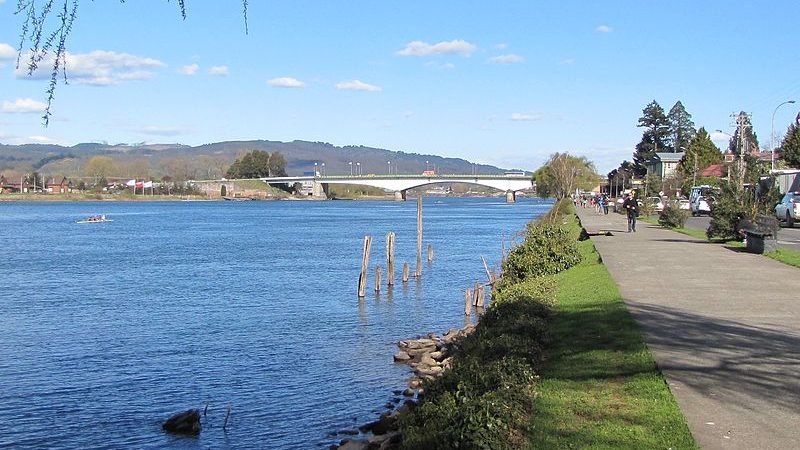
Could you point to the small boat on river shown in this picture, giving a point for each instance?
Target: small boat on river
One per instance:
(98, 218)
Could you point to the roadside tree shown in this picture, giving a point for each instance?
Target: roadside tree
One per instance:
(681, 127)
(656, 137)
(700, 153)
(790, 147)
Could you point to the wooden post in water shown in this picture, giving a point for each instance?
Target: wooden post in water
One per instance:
(488, 274)
(418, 273)
(377, 278)
(480, 297)
(430, 253)
(362, 279)
(405, 272)
(390, 258)
(227, 415)
(468, 302)
(475, 293)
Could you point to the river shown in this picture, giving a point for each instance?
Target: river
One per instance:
(109, 328)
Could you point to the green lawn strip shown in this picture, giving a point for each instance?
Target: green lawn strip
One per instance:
(786, 256)
(600, 387)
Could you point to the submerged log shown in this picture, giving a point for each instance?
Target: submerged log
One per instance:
(187, 422)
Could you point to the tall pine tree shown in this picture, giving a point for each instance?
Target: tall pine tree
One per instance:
(681, 127)
(700, 153)
(654, 139)
(790, 146)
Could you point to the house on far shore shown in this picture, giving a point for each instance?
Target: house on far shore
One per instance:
(58, 187)
(663, 164)
(7, 185)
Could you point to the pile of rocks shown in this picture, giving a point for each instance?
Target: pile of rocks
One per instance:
(429, 357)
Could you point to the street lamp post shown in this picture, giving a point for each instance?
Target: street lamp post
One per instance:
(315, 170)
(358, 169)
(389, 165)
(351, 167)
(323, 169)
(772, 136)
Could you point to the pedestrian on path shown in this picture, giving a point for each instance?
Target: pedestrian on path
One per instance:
(632, 210)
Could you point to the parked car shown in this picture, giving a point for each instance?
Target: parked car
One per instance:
(701, 200)
(788, 209)
(656, 203)
(684, 204)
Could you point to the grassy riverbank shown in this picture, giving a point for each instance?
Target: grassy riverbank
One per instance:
(600, 387)
(556, 362)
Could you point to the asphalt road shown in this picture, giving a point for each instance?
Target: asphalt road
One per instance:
(787, 237)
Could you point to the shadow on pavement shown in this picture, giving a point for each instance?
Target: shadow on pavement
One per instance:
(738, 362)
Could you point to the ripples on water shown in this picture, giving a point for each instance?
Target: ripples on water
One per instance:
(107, 329)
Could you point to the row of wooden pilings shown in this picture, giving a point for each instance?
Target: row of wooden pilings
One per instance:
(473, 297)
(390, 246)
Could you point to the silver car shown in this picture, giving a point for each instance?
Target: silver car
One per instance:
(788, 209)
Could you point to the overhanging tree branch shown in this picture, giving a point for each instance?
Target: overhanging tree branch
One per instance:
(35, 14)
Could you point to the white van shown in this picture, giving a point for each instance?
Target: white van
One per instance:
(701, 199)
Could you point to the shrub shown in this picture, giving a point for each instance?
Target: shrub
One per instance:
(474, 406)
(726, 214)
(547, 250)
(540, 289)
(672, 217)
(559, 209)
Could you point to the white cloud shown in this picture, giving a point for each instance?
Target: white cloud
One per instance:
(191, 69)
(24, 105)
(718, 136)
(526, 117)
(41, 140)
(357, 85)
(219, 71)
(438, 65)
(7, 52)
(501, 46)
(604, 29)
(160, 131)
(454, 47)
(506, 59)
(286, 82)
(98, 68)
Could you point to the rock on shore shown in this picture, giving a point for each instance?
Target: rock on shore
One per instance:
(428, 357)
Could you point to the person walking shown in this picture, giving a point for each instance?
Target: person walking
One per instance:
(632, 210)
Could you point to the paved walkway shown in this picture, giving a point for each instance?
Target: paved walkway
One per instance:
(723, 326)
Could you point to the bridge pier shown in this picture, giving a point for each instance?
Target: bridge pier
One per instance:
(318, 190)
(511, 197)
(400, 196)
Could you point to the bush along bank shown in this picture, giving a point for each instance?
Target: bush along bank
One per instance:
(484, 400)
(555, 362)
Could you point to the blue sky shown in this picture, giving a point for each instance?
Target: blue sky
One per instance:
(506, 83)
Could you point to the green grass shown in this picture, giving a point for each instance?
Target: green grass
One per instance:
(600, 387)
(786, 256)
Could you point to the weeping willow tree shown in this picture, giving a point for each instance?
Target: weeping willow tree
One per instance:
(563, 173)
(45, 28)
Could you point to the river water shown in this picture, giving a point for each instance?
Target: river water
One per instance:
(107, 329)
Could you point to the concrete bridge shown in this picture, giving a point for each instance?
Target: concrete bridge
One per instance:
(399, 184)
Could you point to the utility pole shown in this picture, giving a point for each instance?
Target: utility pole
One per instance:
(743, 124)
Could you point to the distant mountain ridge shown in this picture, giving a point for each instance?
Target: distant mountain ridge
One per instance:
(300, 156)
